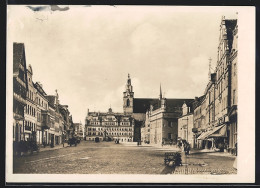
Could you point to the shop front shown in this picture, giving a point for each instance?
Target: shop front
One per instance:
(232, 131)
(214, 138)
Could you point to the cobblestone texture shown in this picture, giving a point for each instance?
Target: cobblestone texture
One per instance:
(205, 163)
(109, 158)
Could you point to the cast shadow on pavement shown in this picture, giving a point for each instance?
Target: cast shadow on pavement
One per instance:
(168, 170)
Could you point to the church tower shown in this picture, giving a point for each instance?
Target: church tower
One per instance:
(128, 97)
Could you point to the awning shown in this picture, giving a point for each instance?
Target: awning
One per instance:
(216, 130)
(203, 135)
(222, 132)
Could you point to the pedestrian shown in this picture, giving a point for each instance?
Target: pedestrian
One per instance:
(187, 148)
(179, 144)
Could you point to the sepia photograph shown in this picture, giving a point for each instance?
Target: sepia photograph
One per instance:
(130, 93)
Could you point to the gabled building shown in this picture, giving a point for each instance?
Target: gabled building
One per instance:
(30, 109)
(56, 130)
(42, 114)
(65, 120)
(186, 125)
(233, 91)
(79, 130)
(221, 93)
(20, 88)
(108, 126)
(160, 114)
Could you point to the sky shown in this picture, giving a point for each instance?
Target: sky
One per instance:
(86, 52)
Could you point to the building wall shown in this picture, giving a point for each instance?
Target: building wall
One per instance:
(41, 106)
(185, 126)
(170, 130)
(161, 126)
(30, 111)
(156, 121)
(109, 125)
(220, 94)
(233, 91)
(20, 87)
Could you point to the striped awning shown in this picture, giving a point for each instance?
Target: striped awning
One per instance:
(215, 132)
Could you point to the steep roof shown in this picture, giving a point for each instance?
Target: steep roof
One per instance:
(176, 104)
(18, 53)
(197, 101)
(51, 99)
(39, 88)
(19, 59)
(141, 105)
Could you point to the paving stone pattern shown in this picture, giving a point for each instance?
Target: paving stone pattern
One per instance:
(110, 158)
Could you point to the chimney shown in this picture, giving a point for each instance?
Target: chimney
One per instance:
(213, 77)
(39, 84)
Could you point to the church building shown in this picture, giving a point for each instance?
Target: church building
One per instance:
(159, 115)
(126, 126)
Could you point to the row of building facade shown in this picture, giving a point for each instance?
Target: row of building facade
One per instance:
(36, 116)
(212, 118)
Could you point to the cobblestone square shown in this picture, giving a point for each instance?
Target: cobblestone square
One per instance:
(111, 158)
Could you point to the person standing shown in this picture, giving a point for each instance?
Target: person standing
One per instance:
(187, 148)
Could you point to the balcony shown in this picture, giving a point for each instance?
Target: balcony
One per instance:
(19, 98)
(27, 128)
(21, 82)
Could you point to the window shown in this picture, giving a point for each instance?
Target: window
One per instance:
(234, 95)
(128, 102)
(234, 69)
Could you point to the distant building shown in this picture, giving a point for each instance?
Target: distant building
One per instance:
(79, 130)
(42, 107)
(57, 120)
(151, 120)
(199, 120)
(185, 124)
(160, 111)
(146, 128)
(109, 126)
(161, 120)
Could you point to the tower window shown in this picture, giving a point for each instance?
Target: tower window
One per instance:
(128, 102)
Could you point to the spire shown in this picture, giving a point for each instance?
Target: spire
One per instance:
(209, 68)
(160, 92)
(128, 80)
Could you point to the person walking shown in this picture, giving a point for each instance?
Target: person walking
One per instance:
(179, 144)
(187, 148)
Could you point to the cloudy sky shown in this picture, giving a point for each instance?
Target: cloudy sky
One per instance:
(86, 52)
